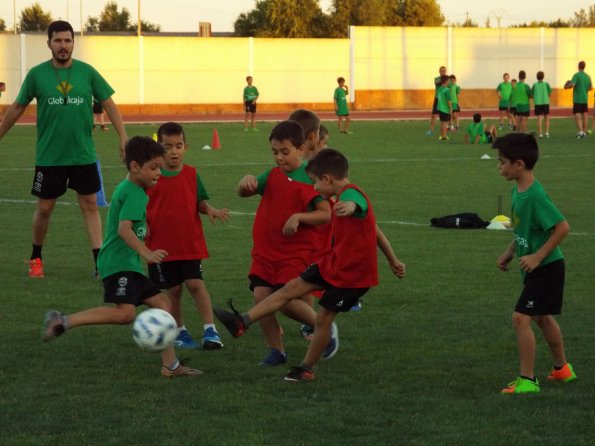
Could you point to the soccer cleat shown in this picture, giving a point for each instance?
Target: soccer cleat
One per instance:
(105, 128)
(547, 135)
(255, 129)
(36, 268)
(565, 374)
(589, 131)
(211, 340)
(299, 374)
(430, 132)
(541, 135)
(521, 385)
(333, 344)
(53, 325)
(185, 340)
(580, 135)
(500, 127)
(357, 306)
(275, 357)
(231, 319)
(180, 371)
(245, 130)
(443, 138)
(307, 331)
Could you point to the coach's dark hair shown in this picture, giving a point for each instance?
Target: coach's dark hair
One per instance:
(309, 121)
(142, 149)
(518, 146)
(169, 129)
(59, 26)
(290, 130)
(582, 65)
(330, 162)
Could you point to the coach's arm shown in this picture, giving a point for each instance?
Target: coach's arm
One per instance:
(11, 116)
(116, 118)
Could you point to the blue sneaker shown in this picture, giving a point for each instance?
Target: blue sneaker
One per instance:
(184, 340)
(333, 344)
(275, 357)
(357, 306)
(211, 340)
(307, 332)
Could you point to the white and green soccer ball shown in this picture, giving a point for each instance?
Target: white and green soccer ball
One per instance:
(154, 330)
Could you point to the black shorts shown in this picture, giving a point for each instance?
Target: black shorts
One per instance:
(513, 110)
(128, 287)
(444, 117)
(250, 106)
(52, 181)
(257, 281)
(503, 108)
(338, 300)
(170, 274)
(435, 106)
(523, 113)
(97, 108)
(456, 108)
(543, 109)
(580, 108)
(489, 137)
(544, 290)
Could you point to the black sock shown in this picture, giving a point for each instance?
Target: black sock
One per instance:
(246, 320)
(36, 252)
(530, 379)
(95, 254)
(305, 366)
(558, 368)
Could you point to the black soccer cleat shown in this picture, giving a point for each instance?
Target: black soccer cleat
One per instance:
(232, 320)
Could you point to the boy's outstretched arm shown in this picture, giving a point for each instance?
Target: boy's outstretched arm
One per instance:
(530, 262)
(248, 186)
(398, 268)
(319, 216)
(213, 213)
(127, 233)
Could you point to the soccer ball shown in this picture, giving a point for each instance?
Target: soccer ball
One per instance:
(154, 330)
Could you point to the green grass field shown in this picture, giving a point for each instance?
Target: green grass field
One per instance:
(421, 364)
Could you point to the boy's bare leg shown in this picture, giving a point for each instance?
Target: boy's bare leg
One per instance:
(121, 314)
(553, 336)
(202, 299)
(246, 121)
(175, 298)
(91, 218)
(540, 124)
(526, 343)
(269, 325)
(547, 124)
(301, 311)
(578, 119)
(347, 123)
(321, 337)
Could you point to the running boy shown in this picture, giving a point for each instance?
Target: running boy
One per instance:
(477, 133)
(249, 98)
(503, 90)
(523, 108)
(346, 271)
(119, 258)
(174, 225)
(513, 102)
(285, 237)
(444, 106)
(341, 106)
(455, 91)
(539, 228)
(541, 92)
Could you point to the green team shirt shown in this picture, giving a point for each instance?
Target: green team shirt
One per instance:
(437, 85)
(340, 98)
(534, 217)
(541, 93)
(513, 100)
(522, 93)
(477, 129)
(129, 202)
(582, 84)
(201, 191)
(356, 196)
(443, 98)
(250, 93)
(298, 174)
(505, 90)
(64, 111)
(455, 91)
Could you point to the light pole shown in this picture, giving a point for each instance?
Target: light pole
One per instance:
(138, 21)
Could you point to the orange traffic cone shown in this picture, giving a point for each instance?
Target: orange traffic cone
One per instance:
(215, 144)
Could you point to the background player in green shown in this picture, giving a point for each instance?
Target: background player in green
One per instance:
(341, 106)
(125, 285)
(250, 97)
(65, 156)
(455, 91)
(477, 132)
(539, 228)
(504, 90)
(541, 99)
(437, 84)
(444, 106)
(581, 85)
(522, 93)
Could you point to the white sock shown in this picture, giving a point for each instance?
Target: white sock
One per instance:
(183, 327)
(206, 326)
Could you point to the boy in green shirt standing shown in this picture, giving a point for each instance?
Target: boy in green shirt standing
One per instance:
(539, 228)
(504, 90)
(455, 91)
(523, 107)
(249, 98)
(541, 92)
(341, 105)
(444, 106)
(581, 85)
(124, 282)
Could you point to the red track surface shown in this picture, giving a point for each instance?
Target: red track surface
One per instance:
(376, 115)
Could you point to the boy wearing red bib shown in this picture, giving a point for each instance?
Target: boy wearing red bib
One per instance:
(346, 271)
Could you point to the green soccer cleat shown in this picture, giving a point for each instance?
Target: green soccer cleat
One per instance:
(521, 385)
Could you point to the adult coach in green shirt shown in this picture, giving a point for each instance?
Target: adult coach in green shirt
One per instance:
(65, 154)
(581, 84)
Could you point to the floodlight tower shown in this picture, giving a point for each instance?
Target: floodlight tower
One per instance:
(498, 14)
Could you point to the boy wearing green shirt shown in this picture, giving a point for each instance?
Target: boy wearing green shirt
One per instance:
(341, 105)
(437, 85)
(523, 107)
(477, 133)
(124, 282)
(455, 91)
(539, 228)
(444, 106)
(249, 98)
(541, 92)
(581, 85)
(504, 90)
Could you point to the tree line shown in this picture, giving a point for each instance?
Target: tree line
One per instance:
(305, 18)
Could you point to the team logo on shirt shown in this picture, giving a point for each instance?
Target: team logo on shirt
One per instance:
(64, 87)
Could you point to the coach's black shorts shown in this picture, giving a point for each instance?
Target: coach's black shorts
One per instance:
(250, 106)
(544, 290)
(580, 108)
(435, 106)
(170, 274)
(52, 181)
(334, 299)
(128, 287)
(97, 108)
(257, 281)
(543, 109)
(444, 117)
